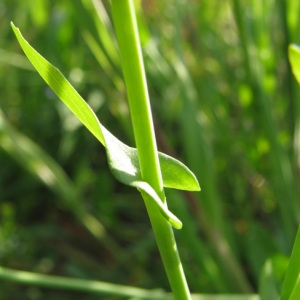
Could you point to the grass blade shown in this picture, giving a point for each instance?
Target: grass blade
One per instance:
(291, 284)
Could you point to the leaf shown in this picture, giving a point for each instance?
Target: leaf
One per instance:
(291, 283)
(295, 295)
(267, 282)
(122, 159)
(124, 164)
(294, 57)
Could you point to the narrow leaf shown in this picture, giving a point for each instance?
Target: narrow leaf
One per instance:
(294, 57)
(61, 87)
(291, 280)
(122, 159)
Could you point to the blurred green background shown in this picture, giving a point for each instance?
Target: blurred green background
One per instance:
(224, 102)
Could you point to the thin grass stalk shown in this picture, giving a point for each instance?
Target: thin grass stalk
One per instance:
(80, 285)
(139, 104)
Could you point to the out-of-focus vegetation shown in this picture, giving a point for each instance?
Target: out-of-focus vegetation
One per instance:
(224, 102)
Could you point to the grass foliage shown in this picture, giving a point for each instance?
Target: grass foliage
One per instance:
(224, 101)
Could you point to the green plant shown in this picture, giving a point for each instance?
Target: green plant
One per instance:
(139, 167)
(225, 88)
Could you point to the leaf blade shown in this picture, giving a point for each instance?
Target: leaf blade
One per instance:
(61, 87)
(294, 57)
(122, 159)
(291, 280)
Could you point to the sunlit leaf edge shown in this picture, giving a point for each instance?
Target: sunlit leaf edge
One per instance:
(294, 58)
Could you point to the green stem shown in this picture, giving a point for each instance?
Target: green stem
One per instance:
(139, 104)
(82, 285)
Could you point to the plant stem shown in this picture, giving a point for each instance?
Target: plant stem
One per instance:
(139, 104)
(82, 285)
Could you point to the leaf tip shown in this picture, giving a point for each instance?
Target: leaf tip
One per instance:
(194, 185)
(176, 223)
(13, 25)
(197, 187)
